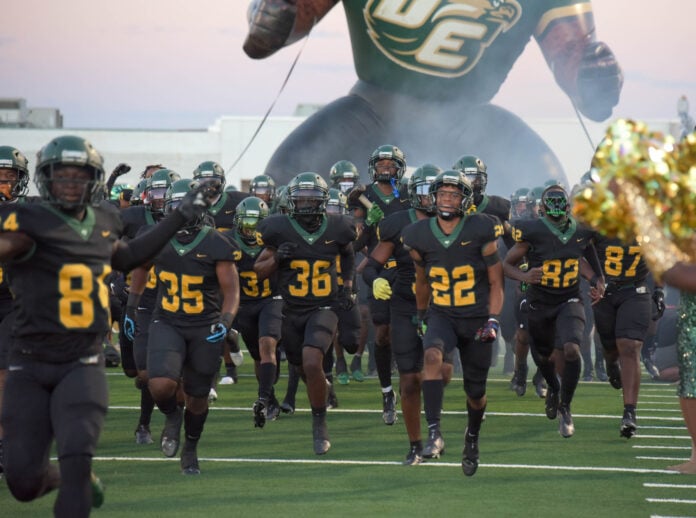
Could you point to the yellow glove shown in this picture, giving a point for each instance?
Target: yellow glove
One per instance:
(381, 289)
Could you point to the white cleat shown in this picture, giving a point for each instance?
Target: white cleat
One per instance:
(227, 380)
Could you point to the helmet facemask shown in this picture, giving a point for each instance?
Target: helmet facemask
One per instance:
(554, 204)
(307, 207)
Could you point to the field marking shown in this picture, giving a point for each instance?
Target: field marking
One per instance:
(675, 486)
(663, 458)
(661, 447)
(664, 436)
(389, 463)
(650, 427)
(670, 501)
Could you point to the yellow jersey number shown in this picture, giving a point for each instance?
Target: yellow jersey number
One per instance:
(613, 262)
(76, 284)
(452, 289)
(314, 278)
(180, 293)
(560, 273)
(251, 286)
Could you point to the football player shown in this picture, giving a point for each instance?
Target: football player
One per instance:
(387, 166)
(260, 307)
(58, 253)
(263, 186)
(197, 300)
(344, 176)
(303, 248)
(459, 293)
(555, 246)
(407, 346)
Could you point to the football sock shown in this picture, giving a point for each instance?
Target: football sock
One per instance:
(569, 382)
(75, 492)
(433, 393)
(267, 372)
(147, 405)
(193, 424)
(475, 419)
(383, 363)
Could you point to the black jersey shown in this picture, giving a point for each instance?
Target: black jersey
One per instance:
(558, 253)
(251, 289)
(390, 229)
(621, 263)
(60, 287)
(134, 218)
(224, 210)
(309, 279)
(454, 264)
(188, 292)
(495, 206)
(390, 204)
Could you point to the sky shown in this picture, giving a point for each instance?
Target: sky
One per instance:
(173, 64)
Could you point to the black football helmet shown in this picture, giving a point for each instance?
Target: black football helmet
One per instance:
(387, 152)
(419, 187)
(554, 203)
(69, 151)
(212, 175)
(475, 171)
(448, 210)
(519, 201)
(12, 158)
(308, 195)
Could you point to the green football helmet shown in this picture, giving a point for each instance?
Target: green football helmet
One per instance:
(455, 179)
(212, 175)
(139, 192)
(69, 151)
(280, 204)
(12, 158)
(175, 192)
(249, 212)
(534, 201)
(475, 171)
(344, 176)
(231, 188)
(337, 203)
(308, 195)
(387, 152)
(419, 187)
(264, 187)
(156, 189)
(519, 202)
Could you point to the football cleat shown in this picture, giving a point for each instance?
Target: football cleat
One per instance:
(389, 408)
(519, 380)
(414, 456)
(97, 491)
(470, 455)
(435, 445)
(342, 371)
(212, 395)
(169, 441)
(628, 424)
(287, 407)
(331, 398)
(260, 412)
(651, 368)
(552, 400)
(273, 409)
(320, 434)
(237, 358)
(189, 459)
(356, 369)
(227, 380)
(232, 372)
(614, 375)
(601, 372)
(343, 378)
(539, 384)
(143, 435)
(565, 422)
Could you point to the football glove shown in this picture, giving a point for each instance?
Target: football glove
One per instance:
(658, 298)
(120, 170)
(374, 215)
(381, 289)
(194, 204)
(421, 324)
(236, 354)
(129, 326)
(346, 298)
(489, 331)
(286, 251)
(217, 333)
(599, 81)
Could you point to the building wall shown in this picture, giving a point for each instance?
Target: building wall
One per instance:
(224, 141)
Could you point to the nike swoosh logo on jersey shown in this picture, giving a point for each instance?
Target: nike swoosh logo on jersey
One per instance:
(329, 241)
(229, 212)
(201, 256)
(105, 233)
(580, 239)
(464, 243)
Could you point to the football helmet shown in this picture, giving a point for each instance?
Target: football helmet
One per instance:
(308, 195)
(231, 188)
(419, 187)
(69, 151)
(554, 203)
(139, 193)
(446, 209)
(519, 201)
(174, 193)
(475, 171)
(337, 203)
(264, 187)
(534, 201)
(344, 176)
(280, 204)
(387, 152)
(12, 158)
(121, 191)
(212, 175)
(249, 212)
(156, 189)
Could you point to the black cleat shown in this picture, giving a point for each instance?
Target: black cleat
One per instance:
(470, 455)
(189, 459)
(414, 456)
(614, 375)
(260, 412)
(143, 435)
(539, 384)
(389, 408)
(519, 380)
(435, 445)
(601, 372)
(273, 409)
(169, 441)
(331, 398)
(628, 424)
(320, 434)
(565, 422)
(651, 368)
(287, 407)
(552, 400)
